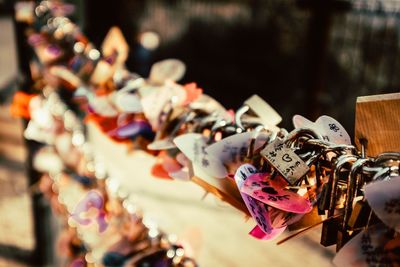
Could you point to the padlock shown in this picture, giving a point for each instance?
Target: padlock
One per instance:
(323, 201)
(329, 231)
(354, 188)
(331, 226)
(362, 216)
(344, 231)
(359, 215)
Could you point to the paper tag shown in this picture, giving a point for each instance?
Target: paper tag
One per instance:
(63, 144)
(302, 122)
(169, 69)
(128, 102)
(43, 118)
(371, 247)
(194, 147)
(102, 106)
(34, 132)
(102, 73)
(115, 41)
(384, 199)
(330, 129)
(48, 161)
(232, 149)
(272, 193)
(163, 144)
(169, 163)
(66, 75)
(333, 130)
(82, 91)
(146, 90)
(92, 200)
(154, 103)
(242, 173)
(257, 210)
(283, 158)
(182, 174)
(263, 110)
(182, 159)
(208, 104)
(280, 218)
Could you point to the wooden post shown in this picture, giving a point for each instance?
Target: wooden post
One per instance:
(378, 122)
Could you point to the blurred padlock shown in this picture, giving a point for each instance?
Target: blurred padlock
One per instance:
(323, 200)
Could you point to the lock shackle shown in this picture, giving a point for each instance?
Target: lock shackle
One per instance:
(202, 123)
(294, 140)
(351, 188)
(238, 121)
(380, 173)
(328, 147)
(385, 173)
(270, 136)
(294, 136)
(337, 167)
(163, 118)
(238, 116)
(185, 118)
(282, 133)
(217, 126)
(222, 125)
(370, 171)
(387, 159)
(323, 147)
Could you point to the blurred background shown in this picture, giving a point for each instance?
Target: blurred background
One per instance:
(308, 57)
